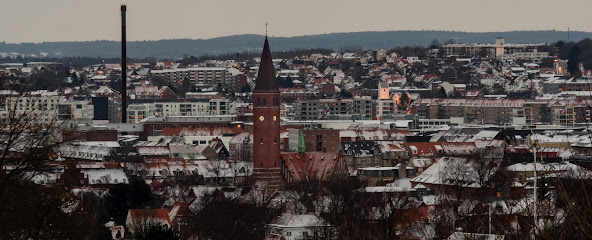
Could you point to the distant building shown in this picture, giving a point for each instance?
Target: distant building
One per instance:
(137, 112)
(493, 51)
(198, 76)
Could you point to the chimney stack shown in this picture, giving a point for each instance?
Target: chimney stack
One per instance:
(123, 67)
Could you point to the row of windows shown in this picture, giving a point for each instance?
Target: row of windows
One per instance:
(275, 102)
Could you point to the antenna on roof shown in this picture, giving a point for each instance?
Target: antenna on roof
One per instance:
(266, 28)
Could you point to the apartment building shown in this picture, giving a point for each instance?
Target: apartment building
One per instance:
(385, 107)
(363, 108)
(75, 110)
(137, 112)
(554, 86)
(497, 50)
(322, 108)
(199, 76)
(505, 111)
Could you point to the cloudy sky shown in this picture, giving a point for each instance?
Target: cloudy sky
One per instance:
(82, 20)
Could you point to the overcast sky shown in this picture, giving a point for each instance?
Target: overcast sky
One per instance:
(83, 20)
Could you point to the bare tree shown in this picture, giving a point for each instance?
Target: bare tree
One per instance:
(27, 141)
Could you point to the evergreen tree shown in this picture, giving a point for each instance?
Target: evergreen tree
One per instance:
(573, 62)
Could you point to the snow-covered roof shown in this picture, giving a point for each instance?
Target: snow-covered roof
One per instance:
(288, 220)
(105, 176)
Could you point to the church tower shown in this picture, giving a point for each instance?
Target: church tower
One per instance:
(266, 123)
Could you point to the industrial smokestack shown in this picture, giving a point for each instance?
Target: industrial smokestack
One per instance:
(123, 68)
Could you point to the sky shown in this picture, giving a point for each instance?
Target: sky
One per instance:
(87, 20)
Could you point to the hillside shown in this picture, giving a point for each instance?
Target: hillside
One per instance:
(175, 48)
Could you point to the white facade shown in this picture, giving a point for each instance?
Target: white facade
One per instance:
(44, 108)
(137, 112)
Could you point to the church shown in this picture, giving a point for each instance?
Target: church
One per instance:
(270, 165)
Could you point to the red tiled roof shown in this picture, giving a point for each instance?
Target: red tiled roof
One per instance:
(425, 148)
(158, 214)
(312, 165)
(429, 76)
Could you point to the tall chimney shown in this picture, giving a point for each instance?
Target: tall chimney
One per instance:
(123, 68)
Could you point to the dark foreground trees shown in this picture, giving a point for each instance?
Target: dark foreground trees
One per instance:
(223, 218)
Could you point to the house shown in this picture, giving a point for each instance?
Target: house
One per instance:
(299, 226)
(425, 149)
(218, 146)
(363, 154)
(185, 151)
(153, 92)
(180, 215)
(241, 147)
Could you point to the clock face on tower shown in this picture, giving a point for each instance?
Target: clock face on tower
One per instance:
(274, 118)
(261, 118)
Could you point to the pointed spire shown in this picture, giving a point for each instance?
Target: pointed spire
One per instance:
(266, 81)
(301, 146)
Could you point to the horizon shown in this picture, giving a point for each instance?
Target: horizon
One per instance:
(69, 20)
(306, 35)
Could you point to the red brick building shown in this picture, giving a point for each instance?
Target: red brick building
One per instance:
(266, 123)
(89, 135)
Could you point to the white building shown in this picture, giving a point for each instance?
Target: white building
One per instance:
(44, 108)
(137, 112)
(304, 226)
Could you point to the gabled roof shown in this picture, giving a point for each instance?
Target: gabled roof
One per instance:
(425, 148)
(179, 209)
(360, 148)
(459, 148)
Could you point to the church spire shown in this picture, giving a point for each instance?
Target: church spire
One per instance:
(266, 81)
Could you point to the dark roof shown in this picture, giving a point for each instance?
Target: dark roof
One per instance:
(359, 148)
(266, 81)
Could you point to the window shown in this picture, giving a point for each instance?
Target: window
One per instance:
(288, 234)
(261, 140)
(258, 102)
(265, 102)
